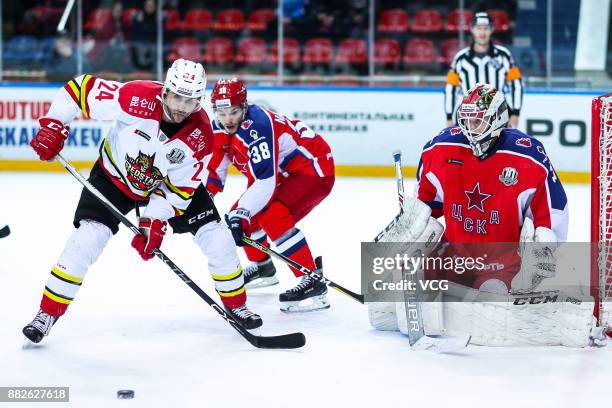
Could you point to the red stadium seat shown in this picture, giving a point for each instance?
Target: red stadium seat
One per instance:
(173, 20)
(318, 51)
(185, 47)
(501, 21)
(393, 21)
(98, 18)
(260, 18)
(251, 51)
(218, 50)
(291, 51)
(387, 51)
(419, 51)
(427, 21)
(197, 19)
(453, 21)
(448, 50)
(352, 51)
(229, 20)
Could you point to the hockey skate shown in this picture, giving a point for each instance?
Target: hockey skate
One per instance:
(39, 327)
(308, 295)
(245, 317)
(260, 274)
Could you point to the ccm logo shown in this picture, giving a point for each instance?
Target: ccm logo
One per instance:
(534, 300)
(200, 216)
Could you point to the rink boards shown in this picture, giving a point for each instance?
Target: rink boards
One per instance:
(362, 125)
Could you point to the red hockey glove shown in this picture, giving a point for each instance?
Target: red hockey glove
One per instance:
(50, 139)
(238, 221)
(153, 231)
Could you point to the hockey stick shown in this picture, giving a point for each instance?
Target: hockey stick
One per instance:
(414, 314)
(5, 231)
(303, 269)
(285, 341)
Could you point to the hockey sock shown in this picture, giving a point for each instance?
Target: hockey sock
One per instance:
(293, 245)
(82, 249)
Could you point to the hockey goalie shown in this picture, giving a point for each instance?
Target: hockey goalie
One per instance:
(489, 184)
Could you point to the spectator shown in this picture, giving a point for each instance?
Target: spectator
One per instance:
(111, 51)
(64, 60)
(144, 34)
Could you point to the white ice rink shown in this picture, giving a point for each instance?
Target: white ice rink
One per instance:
(135, 325)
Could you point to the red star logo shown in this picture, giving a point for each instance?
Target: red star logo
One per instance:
(476, 199)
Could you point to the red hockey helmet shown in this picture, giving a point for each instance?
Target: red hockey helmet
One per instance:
(228, 92)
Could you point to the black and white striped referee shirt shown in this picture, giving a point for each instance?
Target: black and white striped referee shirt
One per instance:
(496, 67)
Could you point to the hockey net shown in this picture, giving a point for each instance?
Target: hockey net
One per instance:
(601, 207)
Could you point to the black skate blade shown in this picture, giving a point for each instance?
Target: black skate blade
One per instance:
(284, 341)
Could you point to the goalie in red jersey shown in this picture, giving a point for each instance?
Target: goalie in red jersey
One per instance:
(290, 170)
(497, 191)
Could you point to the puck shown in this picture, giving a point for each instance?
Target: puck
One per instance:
(125, 394)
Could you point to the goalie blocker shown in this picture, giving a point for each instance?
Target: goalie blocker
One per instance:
(526, 319)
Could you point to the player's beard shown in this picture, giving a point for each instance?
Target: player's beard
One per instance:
(174, 115)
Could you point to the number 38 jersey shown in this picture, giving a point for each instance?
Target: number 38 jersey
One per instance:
(136, 155)
(266, 147)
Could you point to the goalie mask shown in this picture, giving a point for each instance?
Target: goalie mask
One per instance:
(183, 89)
(482, 115)
(229, 101)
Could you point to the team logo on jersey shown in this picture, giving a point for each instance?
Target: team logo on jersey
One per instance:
(141, 173)
(176, 156)
(523, 141)
(162, 136)
(246, 124)
(495, 63)
(509, 176)
(455, 130)
(476, 199)
(254, 134)
(241, 166)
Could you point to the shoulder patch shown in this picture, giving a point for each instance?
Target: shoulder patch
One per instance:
(524, 142)
(141, 98)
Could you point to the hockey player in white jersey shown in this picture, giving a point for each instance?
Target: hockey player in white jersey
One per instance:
(153, 157)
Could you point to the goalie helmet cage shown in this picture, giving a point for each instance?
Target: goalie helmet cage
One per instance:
(601, 207)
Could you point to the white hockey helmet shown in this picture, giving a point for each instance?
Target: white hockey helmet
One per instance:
(482, 115)
(186, 78)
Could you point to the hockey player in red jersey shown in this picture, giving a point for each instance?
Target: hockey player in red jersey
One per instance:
(154, 156)
(492, 183)
(290, 170)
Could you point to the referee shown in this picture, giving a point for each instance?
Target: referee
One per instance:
(484, 62)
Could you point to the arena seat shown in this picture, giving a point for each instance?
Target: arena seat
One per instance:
(501, 21)
(197, 19)
(453, 20)
(352, 51)
(218, 50)
(291, 51)
(427, 21)
(229, 20)
(393, 21)
(251, 50)
(448, 50)
(98, 18)
(387, 51)
(185, 47)
(260, 19)
(419, 51)
(173, 20)
(318, 51)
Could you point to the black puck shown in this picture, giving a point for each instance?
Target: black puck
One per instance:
(125, 394)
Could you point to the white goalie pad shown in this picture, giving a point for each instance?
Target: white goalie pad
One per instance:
(538, 319)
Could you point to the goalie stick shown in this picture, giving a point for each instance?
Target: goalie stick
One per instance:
(303, 269)
(414, 315)
(5, 231)
(285, 341)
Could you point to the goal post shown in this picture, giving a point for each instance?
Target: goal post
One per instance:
(601, 207)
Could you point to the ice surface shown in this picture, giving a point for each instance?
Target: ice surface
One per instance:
(135, 325)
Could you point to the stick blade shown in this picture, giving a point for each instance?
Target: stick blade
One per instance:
(442, 344)
(284, 341)
(5, 231)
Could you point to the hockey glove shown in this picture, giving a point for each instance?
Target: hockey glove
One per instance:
(153, 231)
(50, 139)
(238, 221)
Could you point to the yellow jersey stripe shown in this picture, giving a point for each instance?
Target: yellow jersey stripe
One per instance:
(184, 195)
(84, 95)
